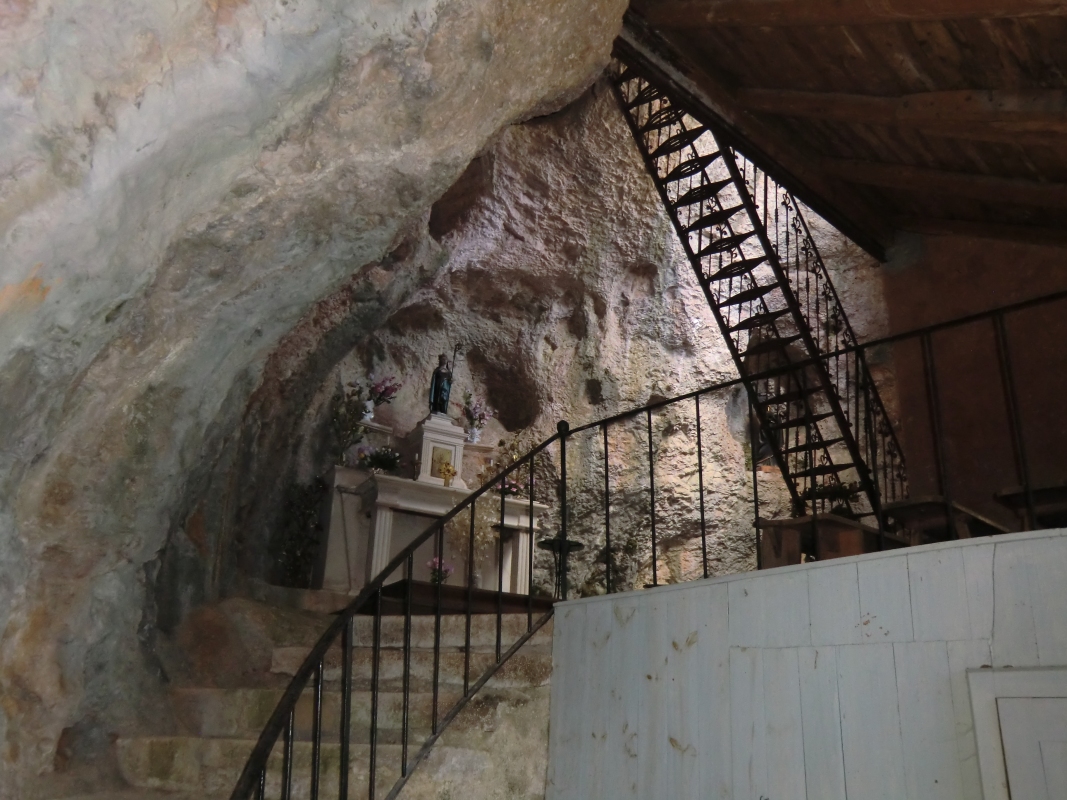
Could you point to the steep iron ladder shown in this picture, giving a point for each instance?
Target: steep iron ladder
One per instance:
(818, 410)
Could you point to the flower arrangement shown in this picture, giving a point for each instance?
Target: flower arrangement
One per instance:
(476, 412)
(439, 570)
(346, 416)
(448, 472)
(378, 459)
(383, 391)
(508, 486)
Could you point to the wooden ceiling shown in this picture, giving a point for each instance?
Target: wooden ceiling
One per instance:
(939, 116)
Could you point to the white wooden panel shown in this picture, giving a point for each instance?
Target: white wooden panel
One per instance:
(770, 611)
(870, 724)
(567, 706)
(746, 612)
(1014, 633)
(1048, 591)
(834, 604)
(824, 765)
(703, 677)
(978, 564)
(963, 656)
(655, 762)
(593, 781)
(625, 687)
(1054, 759)
(1034, 731)
(785, 609)
(885, 600)
(939, 607)
(784, 738)
(747, 722)
(927, 721)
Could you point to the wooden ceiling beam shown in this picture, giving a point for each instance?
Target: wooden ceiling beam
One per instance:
(1047, 237)
(782, 13)
(840, 205)
(1030, 117)
(984, 188)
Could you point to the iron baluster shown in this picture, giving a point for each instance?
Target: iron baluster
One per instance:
(500, 572)
(1018, 439)
(934, 405)
(287, 757)
(316, 731)
(563, 427)
(406, 678)
(470, 602)
(439, 546)
(652, 499)
(376, 651)
(607, 515)
(700, 491)
(530, 552)
(345, 733)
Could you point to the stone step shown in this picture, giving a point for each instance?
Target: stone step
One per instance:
(212, 766)
(531, 666)
(242, 713)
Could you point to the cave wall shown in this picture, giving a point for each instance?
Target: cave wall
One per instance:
(179, 183)
(553, 265)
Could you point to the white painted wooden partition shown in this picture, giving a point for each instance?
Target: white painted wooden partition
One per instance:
(844, 679)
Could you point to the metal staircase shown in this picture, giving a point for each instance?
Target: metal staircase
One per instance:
(818, 411)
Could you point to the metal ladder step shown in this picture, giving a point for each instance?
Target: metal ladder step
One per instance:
(706, 191)
(741, 267)
(807, 447)
(644, 97)
(691, 167)
(800, 422)
(758, 320)
(679, 141)
(770, 346)
(795, 396)
(725, 243)
(663, 118)
(754, 293)
(823, 469)
(714, 219)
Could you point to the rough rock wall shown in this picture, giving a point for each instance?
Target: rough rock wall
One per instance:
(553, 264)
(179, 182)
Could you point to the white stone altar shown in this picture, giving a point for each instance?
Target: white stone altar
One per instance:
(374, 516)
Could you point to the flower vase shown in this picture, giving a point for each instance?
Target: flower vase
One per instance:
(368, 410)
(473, 435)
(448, 480)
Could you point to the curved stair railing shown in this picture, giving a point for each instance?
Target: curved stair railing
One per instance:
(394, 592)
(616, 523)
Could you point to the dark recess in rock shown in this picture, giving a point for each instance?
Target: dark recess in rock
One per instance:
(510, 389)
(594, 391)
(455, 205)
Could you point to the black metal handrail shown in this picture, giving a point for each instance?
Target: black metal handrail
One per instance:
(375, 594)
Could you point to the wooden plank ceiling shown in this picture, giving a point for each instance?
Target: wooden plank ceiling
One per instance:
(941, 116)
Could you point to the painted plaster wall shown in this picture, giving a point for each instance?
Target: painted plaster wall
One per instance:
(843, 679)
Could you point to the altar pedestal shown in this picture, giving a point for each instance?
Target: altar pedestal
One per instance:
(374, 517)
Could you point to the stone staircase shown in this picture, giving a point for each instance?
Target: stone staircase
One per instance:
(496, 748)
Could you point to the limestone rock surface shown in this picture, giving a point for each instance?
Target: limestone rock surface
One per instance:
(179, 183)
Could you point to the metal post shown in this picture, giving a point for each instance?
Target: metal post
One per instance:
(652, 498)
(346, 708)
(440, 548)
(753, 444)
(700, 489)
(376, 651)
(607, 515)
(405, 714)
(934, 400)
(1018, 440)
(563, 427)
(316, 732)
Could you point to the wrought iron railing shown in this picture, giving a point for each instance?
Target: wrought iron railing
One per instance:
(634, 499)
(771, 294)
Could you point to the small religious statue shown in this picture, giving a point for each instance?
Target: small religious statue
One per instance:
(440, 386)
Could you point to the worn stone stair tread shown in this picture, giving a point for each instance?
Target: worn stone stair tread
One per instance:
(193, 764)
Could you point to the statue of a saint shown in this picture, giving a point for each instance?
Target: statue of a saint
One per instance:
(440, 386)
